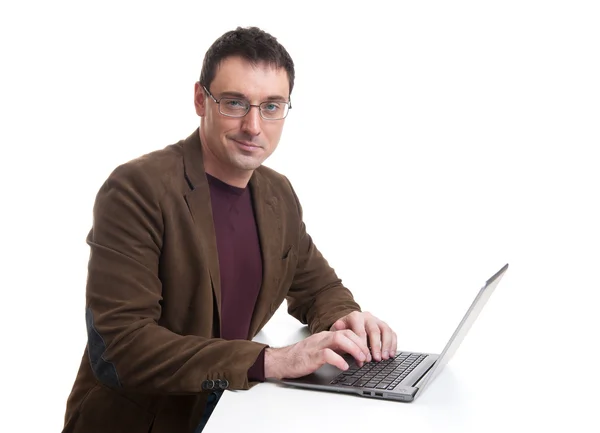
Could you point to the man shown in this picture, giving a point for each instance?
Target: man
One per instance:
(193, 248)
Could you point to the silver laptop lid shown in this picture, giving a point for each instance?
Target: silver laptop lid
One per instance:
(464, 326)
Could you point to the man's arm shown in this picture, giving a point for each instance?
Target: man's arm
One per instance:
(127, 347)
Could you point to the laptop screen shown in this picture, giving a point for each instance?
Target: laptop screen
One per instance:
(462, 329)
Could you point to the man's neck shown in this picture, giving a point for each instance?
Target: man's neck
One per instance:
(239, 181)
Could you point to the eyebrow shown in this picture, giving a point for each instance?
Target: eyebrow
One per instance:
(242, 96)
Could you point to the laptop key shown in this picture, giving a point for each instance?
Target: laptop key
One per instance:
(346, 381)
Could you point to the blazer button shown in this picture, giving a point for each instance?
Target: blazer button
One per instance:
(208, 384)
(224, 383)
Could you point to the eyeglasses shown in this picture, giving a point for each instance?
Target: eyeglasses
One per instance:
(236, 107)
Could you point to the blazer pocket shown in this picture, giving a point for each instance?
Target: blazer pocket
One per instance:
(289, 261)
(286, 252)
(284, 280)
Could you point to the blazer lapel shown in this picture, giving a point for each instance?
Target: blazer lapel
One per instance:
(268, 222)
(199, 204)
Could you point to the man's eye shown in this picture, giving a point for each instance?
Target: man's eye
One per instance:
(272, 106)
(235, 103)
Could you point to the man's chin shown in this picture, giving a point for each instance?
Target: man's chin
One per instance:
(248, 164)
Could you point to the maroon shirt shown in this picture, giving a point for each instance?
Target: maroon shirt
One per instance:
(240, 262)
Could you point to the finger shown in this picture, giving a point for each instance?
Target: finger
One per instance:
(394, 344)
(357, 325)
(360, 342)
(339, 325)
(346, 341)
(374, 334)
(386, 340)
(328, 356)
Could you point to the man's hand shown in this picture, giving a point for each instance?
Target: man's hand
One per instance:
(382, 339)
(311, 353)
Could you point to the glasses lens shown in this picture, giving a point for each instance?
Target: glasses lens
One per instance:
(274, 110)
(234, 107)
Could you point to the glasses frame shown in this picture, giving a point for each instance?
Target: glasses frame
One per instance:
(218, 102)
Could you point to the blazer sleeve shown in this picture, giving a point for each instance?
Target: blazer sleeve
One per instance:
(126, 346)
(317, 296)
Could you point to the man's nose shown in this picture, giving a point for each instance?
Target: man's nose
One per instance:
(251, 123)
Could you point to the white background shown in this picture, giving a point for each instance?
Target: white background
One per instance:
(430, 143)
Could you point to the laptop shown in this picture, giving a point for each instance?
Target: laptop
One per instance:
(403, 377)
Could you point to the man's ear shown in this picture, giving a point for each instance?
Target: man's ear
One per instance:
(199, 100)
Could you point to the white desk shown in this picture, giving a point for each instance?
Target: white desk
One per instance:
(476, 392)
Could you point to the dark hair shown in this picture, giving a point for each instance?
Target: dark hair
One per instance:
(252, 44)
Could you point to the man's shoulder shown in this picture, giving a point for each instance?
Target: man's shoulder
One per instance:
(275, 179)
(154, 170)
(156, 163)
(280, 187)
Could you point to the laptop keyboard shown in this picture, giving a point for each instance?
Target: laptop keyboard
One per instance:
(386, 374)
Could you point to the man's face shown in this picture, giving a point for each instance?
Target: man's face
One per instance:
(234, 146)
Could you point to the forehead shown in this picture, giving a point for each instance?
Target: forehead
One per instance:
(235, 74)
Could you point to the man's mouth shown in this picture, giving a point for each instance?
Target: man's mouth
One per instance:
(248, 145)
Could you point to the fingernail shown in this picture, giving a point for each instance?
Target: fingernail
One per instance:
(362, 356)
(386, 354)
(378, 356)
(369, 357)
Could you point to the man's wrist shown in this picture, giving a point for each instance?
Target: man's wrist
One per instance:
(272, 363)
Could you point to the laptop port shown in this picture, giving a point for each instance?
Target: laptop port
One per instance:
(379, 394)
(366, 393)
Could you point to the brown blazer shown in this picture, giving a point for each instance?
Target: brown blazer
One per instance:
(153, 293)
